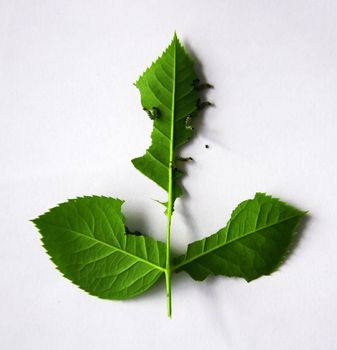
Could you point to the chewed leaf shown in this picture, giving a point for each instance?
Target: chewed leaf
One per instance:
(88, 242)
(255, 242)
(170, 98)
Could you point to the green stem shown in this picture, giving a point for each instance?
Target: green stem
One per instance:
(168, 238)
(168, 262)
(170, 197)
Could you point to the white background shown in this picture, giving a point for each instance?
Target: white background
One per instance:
(71, 122)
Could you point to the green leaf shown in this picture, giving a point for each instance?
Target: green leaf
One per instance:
(168, 89)
(86, 239)
(255, 242)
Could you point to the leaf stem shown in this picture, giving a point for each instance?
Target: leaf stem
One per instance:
(168, 262)
(170, 193)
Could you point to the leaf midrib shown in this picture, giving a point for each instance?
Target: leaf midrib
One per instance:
(110, 246)
(186, 262)
(171, 155)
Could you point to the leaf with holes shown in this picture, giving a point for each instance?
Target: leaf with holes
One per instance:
(169, 95)
(254, 242)
(90, 244)
(86, 239)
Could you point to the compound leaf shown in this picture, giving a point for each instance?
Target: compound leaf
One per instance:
(86, 239)
(169, 95)
(254, 242)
